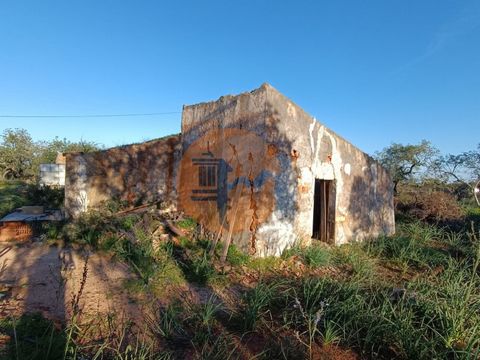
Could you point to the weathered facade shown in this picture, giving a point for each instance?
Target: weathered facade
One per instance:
(136, 174)
(254, 167)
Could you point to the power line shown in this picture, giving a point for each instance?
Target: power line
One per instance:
(91, 115)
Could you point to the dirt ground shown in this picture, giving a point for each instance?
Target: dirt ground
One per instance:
(38, 278)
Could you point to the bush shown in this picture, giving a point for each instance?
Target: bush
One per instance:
(427, 204)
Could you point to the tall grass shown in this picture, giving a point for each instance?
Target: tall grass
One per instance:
(256, 304)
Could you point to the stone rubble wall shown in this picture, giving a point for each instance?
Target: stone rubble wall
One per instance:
(136, 174)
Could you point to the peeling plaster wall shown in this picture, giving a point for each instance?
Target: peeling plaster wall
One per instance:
(287, 150)
(364, 190)
(230, 135)
(137, 174)
(297, 149)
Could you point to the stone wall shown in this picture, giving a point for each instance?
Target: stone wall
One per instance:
(137, 174)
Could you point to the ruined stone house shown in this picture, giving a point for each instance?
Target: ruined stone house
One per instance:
(255, 167)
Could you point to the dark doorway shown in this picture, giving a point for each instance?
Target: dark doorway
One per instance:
(324, 211)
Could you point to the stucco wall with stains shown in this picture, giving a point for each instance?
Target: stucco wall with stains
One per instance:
(364, 190)
(272, 152)
(136, 174)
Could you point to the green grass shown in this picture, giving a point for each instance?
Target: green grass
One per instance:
(264, 265)
(236, 257)
(316, 255)
(356, 259)
(33, 337)
(256, 304)
(187, 224)
(415, 295)
(416, 245)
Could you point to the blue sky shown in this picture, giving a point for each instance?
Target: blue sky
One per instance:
(376, 72)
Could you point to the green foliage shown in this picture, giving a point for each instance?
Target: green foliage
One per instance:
(201, 270)
(463, 168)
(413, 246)
(50, 149)
(13, 195)
(354, 256)
(17, 154)
(256, 303)
(265, 264)
(316, 256)
(432, 315)
(17, 193)
(32, 337)
(187, 224)
(236, 257)
(403, 161)
(216, 348)
(51, 198)
(168, 322)
(20, 156)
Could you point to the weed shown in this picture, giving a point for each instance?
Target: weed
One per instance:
(236, 257)
(316, 256)
(34, 337)
(216, 348)
(187, 224)
(330, 334)
(310, 320)
(265, 264)
(206, 313)
(128, 222)
(201, 269)
(167, 322)
(256, 304)
(353, 255)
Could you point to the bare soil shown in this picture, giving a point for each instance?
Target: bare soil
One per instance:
(38, 278)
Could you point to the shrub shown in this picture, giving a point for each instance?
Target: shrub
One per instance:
(430, 205)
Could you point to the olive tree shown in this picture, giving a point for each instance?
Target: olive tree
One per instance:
(17, 154)
(404, 162)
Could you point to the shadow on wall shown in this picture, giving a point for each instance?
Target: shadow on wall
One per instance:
(371, 203)
(135, 174)
(260, 204)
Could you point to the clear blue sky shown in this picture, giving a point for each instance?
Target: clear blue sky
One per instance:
(374, 71)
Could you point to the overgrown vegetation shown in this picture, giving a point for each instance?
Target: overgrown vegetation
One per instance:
(411, 296)
(415, 295)
(16, 193)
